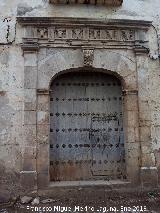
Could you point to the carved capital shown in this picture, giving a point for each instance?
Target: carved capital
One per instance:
(42, 92)
(88, 55)
(141, 48)
(30, 45)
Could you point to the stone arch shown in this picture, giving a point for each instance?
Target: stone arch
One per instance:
(89, 69)
(60, 61)
(109, 62)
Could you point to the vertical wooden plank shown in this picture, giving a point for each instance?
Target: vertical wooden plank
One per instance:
(86, 127)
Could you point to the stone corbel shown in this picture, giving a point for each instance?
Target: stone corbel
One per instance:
(88, 57)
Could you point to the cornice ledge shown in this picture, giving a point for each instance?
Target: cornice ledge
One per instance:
(93, 2)
(56, 21)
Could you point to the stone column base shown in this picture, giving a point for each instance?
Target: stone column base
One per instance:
(28, 180)
(149, 176)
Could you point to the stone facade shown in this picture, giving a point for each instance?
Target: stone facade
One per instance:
(47, 40)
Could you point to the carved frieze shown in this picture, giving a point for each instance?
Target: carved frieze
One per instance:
(42, 32)
(86, 34)
(77, 34)
(93, 33)
(60, 33)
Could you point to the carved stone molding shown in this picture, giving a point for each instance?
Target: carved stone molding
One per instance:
(42, 92)
(88, 55)
(129, 92)
(141, 48)
(104, 2)
(82, 32)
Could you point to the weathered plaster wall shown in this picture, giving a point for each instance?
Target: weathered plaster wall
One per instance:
(12, 74)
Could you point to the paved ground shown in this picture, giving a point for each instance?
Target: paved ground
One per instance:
(100, 201)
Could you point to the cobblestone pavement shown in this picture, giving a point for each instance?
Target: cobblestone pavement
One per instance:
(97, 203)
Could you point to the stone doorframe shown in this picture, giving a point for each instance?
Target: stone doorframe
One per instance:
(52, 46)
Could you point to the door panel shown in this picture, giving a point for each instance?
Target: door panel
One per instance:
(86, 136)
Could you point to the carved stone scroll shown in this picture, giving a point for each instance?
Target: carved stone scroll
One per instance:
(88, 57)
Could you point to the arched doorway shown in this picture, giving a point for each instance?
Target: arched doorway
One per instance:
(86, 127)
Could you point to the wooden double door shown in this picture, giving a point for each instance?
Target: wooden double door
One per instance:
(86, 128)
